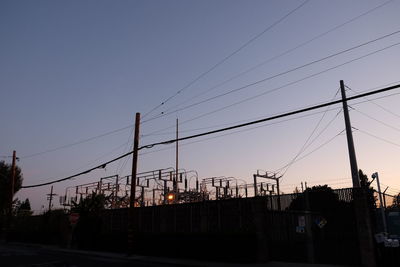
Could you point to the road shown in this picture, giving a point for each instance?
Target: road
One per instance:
(24, 255)
(17, 255)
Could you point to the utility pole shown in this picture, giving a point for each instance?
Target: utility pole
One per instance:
(12, 184)
(133, 184)
(350, 143)
(176, 164)
(361, 210)
(382, 207)
(50, 197)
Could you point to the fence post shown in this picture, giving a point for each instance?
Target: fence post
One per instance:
(259, 222)
(309, 233)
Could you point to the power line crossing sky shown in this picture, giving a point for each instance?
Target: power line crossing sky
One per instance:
(70, 71)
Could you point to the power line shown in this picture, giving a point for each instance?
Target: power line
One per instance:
(226, 58)
(282, 54)
(280, 87)
(303, 147)
(375, 119)
(378, 105)
(275, 75)
(286, 52)
(379, 138)
(240, 131)
(76, 143)
(259, 117)
(224, 129)
(93, 161)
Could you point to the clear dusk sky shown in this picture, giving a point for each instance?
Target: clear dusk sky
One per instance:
(73, 70)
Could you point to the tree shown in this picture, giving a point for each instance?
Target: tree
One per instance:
(366, 184)
(23, 208)
(321, 199)
(5, 185)
(94, 203)
(395, 204)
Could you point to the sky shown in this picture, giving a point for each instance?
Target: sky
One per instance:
(74, 70)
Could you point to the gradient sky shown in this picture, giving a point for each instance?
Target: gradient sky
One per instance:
(72, 70)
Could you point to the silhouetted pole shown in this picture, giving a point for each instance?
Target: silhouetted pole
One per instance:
(50, 197)
(11, 192)
(12, 178)
(382, 207)
(255, 185)
(350, 143)
(361, 209)
(133, 184)
(176, 164)
(278, 191)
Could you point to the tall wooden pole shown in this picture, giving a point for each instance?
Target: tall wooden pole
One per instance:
(176, 163)
(361, 209)
(133, 184)
(12, 178)
(50, 197)
(350, 143)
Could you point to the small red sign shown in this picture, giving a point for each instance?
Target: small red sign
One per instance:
(74, 218)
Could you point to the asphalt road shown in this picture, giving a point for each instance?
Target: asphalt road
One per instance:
(24, 255)
(17, 255)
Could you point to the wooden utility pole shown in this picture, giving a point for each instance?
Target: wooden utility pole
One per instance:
(361, 209)
(50, 197)
(176, 164)
(12, 182)
(350, 143)
(133, 184)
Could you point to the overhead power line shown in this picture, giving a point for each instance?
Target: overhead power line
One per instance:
(275, 75)
(378, 105)
(275, 57)
(76, 143)
(282, 54)
(226, 58)
(222, 130)
(280, 87)
(379, 138)
(306, 143)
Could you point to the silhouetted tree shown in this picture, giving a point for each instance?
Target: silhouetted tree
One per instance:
(23, 208)
(91, 204)
(395, 204)
(5, 185)
(366, 184)
(321, 198)
(90, 220)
